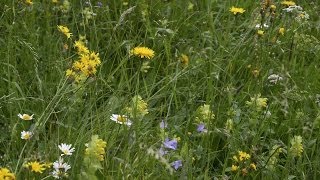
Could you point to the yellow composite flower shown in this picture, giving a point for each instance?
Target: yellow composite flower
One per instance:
(64, 30)
(281, 31)
(25, 117)
(5, 174)
(36, 167)
(234, 167)
(253, 166)
(142, 52)
(29, 2)
(184, 59)
(236, 10)
(260, 32)
(288, 3)
(243, 155)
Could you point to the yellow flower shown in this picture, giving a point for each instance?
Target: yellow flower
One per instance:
(273, 7)
(184, 59)
(257, 102)
(36, 166)
(256, 72)
(281, 31)
(235, 158)
(243, 155)
(260, 32)
(25, 117)
(236, 10)
(5, 174)
(234, 167)
(65, 31)
(95, 148)
(253, 166)
(54, 1)
(29, 2)
(142, 52)
(81, 48)
(296, 148)
(288, 3)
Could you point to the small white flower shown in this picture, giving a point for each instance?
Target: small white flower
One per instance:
(25, 117)
(58, 174)
(66, 149)
(121, 119)
(59, 164)
(26, 135)
(274, 78)
(258, 26)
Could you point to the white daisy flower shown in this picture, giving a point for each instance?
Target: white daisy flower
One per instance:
(121, 119)
(26, 135)
(25, 117)
(66, 149)
(59, 164)
(58, 174)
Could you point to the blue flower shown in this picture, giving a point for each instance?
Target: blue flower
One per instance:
(170, 144)
(176, 164)
(201, 128)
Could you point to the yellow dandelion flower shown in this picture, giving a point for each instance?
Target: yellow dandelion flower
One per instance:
(236, 10)
(273, 7)
(234, 167)
(142, 52)
(5, 174)
(36, 167)
(288, 3)
(64, 30)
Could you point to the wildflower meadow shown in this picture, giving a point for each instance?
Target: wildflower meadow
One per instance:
(159, 89)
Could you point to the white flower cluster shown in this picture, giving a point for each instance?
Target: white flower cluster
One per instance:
(298, 12)
(60, 167)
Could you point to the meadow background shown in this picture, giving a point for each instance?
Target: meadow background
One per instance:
(224, 96)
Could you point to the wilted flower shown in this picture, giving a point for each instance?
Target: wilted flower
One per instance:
(145, 67)
(5, 174)
(65, 7)
(142, 52)
(163, 124)
(236, 10)
(296, 148)
(170, 144)
(184, 59)
(25, 117)
(176, 164)
(26, 135)
(162, 151)
(121, 119)
(66, 149)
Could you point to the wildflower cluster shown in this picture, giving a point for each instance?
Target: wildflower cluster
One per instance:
(242, 163)
(296, 148)
(60, 167)
(94, 154)
(258, 103)
(204, 116)
(5, 174)
(26, 135)
(138, 107)
(86, 65)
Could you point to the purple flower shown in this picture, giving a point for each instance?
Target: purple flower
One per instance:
(170, 144)
(201, 128)
(176, 164)
(163, 124)
(99, 4)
